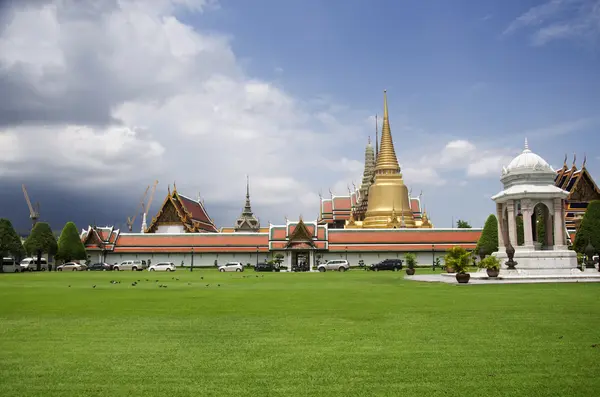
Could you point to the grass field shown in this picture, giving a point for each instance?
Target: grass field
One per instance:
(292, 334)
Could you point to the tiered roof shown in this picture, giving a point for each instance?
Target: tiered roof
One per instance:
(99, 238)
(296, 235)
(180, 209)
(247, 222)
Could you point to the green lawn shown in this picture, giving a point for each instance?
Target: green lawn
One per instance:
(291, 334)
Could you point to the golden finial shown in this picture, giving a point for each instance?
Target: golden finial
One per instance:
(584, 160)
(565, 162)
(169, 189)
(574, 159)
(387, 163)
(174, 187)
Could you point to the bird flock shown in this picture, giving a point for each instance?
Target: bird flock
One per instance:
(162, 285)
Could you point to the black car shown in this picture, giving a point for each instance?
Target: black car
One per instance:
(387, 264)
(266, 267)
(100, 267)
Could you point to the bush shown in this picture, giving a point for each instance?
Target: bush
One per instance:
(488, 242)
(70, 246)
(489, 262)
(411, 260)
(589, 230)
(458, 258)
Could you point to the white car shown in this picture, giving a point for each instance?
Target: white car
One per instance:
(30, 264)
(336, 264)
(231, 267)
(162, 267)
(71, 266)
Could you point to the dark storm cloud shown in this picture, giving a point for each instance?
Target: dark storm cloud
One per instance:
(21, 103)
(103, 207)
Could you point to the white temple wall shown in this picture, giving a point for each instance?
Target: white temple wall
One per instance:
(170, 229)
(208, 259)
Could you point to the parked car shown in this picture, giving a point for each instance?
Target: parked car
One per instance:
(266, 267)
(71, 266)
(9, 265)
(134, 265)
(103, 267)
(231, 267)
(30, 264)
(387, 264)
(162, 267)
(336, 264)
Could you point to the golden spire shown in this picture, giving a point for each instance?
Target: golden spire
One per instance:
(387, 163)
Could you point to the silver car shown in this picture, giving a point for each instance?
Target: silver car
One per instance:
(336, 264)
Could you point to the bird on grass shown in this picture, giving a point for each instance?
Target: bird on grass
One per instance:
(93, 286)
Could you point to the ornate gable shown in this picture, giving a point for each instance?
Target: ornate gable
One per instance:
(300, 235)
(584, 189)
(169, 214)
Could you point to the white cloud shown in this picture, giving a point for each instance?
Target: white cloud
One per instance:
(559, 19)
(165, 101)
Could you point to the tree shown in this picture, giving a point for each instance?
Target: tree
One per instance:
(70, 246)
(10, 242)
(488, 241)
(462, 224)
(520, 231)
(589, 230)
(40, 241)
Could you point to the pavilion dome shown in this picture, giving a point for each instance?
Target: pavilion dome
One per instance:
(526, 162)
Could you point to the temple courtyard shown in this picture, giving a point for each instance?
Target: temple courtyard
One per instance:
(293, 334)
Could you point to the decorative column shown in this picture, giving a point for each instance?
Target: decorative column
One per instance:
(559, 225)
(512, 227)
(501, 231)
(527, 230)
(311, 260)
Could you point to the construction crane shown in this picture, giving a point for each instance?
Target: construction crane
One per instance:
(34, 213)
(146, 207)
(131, 220)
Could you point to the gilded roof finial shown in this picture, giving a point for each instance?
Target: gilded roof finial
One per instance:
(387, 163)
(174, 187)
(330, 193)
(169, 189)
(565, 162)
(584, 160)
(574, 159)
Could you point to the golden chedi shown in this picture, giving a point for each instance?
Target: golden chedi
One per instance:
(388, 195)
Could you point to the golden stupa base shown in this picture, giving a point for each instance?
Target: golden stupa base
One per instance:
(384, 222)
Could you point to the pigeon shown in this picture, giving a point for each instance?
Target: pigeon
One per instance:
(189, 283)
(69, 286)
(218, 285)
(133, 284)
(201, 278)
(94, 286)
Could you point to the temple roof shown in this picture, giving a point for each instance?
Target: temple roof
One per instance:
(247, 221)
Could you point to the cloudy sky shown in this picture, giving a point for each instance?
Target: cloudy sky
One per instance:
(100, 98)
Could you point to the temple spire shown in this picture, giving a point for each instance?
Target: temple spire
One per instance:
(526, 144)
(247, 221)
(387, 162)
(376, 137)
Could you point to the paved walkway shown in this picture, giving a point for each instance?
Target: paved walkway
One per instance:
(438, 278)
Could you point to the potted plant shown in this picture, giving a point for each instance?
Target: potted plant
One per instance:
(491, 264)
(411, 262)
(458, 259)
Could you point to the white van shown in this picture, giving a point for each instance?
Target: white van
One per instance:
(10, 266)
(30, 264)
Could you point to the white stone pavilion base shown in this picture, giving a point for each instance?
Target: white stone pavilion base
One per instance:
(532, 262)
(480, 278)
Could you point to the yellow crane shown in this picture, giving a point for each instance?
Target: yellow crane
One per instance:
(131, 220)
(146, 207)
(34, 213)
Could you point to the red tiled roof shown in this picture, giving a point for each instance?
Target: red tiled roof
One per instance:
(197, 211)
(403, 236)
(342, 203)
(414, 205)
(252, 240)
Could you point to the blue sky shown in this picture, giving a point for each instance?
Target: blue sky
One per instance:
(450, 69)
(286, 92)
